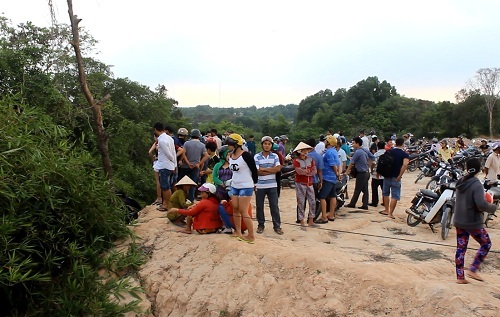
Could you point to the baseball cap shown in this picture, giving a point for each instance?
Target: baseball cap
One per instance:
(207, 187)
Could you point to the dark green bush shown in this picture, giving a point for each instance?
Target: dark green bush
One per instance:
(59, 216)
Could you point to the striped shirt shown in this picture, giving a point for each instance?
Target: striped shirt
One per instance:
(272, 160)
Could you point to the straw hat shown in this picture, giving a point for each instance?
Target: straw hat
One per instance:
(302, 146)
(186, 181)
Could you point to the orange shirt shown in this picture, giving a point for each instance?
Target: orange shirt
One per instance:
(205, 214)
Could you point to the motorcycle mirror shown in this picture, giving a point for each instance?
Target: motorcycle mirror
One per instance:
(450, 161)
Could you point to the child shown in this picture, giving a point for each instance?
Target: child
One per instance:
(305, 169)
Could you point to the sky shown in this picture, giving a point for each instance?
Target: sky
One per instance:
(265, 53)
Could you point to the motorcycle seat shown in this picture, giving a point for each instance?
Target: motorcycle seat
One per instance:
(429, 193)
(287, 168)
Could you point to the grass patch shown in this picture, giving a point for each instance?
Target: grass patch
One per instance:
(399, 231)
(423, 255)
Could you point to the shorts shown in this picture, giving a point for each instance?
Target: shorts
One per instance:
(165, 178)
(392, 187)
(328, 190)
(242, 192)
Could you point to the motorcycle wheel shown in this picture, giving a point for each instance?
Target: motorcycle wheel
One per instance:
(412, 221)
(412, 167)
(340, 202)
(446, 222)
(432, 184)
(419, 177)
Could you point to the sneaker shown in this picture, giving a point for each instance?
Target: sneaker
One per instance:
(373, 205)
(260, 229)
(363, 207)
(228, 231)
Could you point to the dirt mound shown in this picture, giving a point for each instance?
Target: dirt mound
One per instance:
(362, 264)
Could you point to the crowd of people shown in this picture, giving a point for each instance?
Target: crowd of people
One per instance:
(206, 182)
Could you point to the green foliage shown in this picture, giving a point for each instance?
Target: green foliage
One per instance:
(58, 217)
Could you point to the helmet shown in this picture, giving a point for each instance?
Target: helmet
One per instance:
(331, 140)
(207, 187)
(435, 140)
(276, 138)
(196, 133)
(374, 136)
(266, 138)
(488, 197)
(233, 139)
(283, 137)
(182, 131)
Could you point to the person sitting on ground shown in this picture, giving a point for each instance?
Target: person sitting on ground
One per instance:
(204, 216)
(178, 200)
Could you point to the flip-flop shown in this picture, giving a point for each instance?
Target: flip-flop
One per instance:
(382, 212)
(161, 209)
(245, 240)
(392, 217)
(331, 219)
(321, 221)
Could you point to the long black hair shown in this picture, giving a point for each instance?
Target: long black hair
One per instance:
(473, 166)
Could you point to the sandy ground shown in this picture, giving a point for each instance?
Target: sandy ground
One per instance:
(362, 264)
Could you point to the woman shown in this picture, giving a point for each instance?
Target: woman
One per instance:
(469, 220)
(305, 169)
(178, 200)
(222, 173)
(204, 216)
(243, 182)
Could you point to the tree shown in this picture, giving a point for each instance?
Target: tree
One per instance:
(487, 81)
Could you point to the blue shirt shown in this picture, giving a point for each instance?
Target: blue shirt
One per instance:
(398, 156)
(330, 159)
(318, 160)
(360, 159)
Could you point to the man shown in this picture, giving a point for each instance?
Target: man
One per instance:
(268, 165)
(445, 153)
(492, 165)
(484, 147)
(377, 179)
(331, 175)
(193, 161)
(320, 147)
(362, 159)
(182, 136)
(281, 145)
(392, 185)
(166, 163)
(251, 145)
(364, 138)
(213, 134)
(373, 145)
(342, 156)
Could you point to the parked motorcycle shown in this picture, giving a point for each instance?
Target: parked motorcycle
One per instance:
(434, 206)
(429, 169)
(494, 190)
(287, 176)
(444, 170)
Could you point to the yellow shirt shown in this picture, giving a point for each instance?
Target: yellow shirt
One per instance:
(445, 154)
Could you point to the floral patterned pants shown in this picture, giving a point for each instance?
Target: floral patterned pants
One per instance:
(482, 237)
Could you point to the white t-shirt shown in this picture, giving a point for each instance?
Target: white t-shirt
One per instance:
(493, 165)
(167, 158)
(320, 148)
(242, 175)
(343, 159)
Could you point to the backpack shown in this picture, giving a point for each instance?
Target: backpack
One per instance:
(385, 164)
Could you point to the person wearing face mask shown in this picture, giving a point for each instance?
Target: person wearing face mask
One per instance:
(492, 165)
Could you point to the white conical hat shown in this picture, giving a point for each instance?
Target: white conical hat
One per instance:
(186, 181)
(302, 146)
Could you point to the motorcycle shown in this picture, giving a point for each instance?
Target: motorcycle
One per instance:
(444, 170)
(429, 169)
(434, 206)
(418, 160)
(287, 178)
(494, 190)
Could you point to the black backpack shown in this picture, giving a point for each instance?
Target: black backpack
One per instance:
(385, 164)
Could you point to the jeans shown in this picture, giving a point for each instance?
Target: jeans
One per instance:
(226, 219)
(361, 187)
(272, 197)
(194, 174)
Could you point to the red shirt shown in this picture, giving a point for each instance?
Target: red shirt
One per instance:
(205, 214)
(304, 170)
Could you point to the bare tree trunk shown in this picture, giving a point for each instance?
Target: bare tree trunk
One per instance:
(96, 106)
(491, 123)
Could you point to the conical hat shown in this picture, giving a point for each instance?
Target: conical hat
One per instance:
(302, 146)
(186, 181)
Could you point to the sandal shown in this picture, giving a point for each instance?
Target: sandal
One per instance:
(321, 221)
(245, 240)
(161, 209)
(331, 219)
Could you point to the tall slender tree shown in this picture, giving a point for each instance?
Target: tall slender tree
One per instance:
(487, 81)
